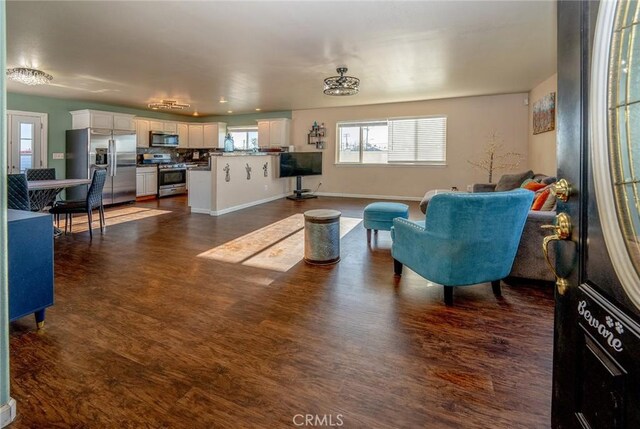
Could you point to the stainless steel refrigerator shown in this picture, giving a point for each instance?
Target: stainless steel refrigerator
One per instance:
(114, 151)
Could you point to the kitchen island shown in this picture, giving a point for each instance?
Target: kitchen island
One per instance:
(236, 181)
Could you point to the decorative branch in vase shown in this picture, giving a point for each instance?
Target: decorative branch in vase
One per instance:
(494, 159)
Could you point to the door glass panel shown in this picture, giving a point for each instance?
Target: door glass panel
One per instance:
(26, 146)
(624, 125)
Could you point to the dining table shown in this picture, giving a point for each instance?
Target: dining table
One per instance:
(41, 192)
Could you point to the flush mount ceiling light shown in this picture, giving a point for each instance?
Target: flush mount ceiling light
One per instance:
(29, 76)
(341, 85)
(168, 105)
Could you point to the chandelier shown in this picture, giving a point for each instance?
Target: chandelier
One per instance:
(168, 105)
(341, 85)
(29, 76)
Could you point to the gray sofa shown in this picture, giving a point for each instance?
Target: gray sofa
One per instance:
(529, 262)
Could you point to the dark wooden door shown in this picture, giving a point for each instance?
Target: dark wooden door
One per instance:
(597, 336)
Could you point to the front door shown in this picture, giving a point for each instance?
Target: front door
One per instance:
(25, 146)
(597, 336)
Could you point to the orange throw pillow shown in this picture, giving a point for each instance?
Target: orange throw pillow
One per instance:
(540, 200)
(533, 186)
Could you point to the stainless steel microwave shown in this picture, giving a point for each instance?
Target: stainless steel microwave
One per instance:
(162, 139)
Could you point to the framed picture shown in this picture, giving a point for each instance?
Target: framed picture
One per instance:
(544, 114)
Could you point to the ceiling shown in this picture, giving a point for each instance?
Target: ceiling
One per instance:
(275, 55)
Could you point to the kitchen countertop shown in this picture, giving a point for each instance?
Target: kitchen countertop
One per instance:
(240, 153)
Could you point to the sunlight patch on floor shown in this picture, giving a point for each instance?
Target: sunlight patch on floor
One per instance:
(113, 217)
(276, 247)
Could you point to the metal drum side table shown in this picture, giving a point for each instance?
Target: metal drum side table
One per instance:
(322, 237)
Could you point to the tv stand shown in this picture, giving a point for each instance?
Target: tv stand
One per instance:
(299, 193)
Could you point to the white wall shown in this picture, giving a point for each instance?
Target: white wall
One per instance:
(210, 193)
(542, 147)
(469, 121)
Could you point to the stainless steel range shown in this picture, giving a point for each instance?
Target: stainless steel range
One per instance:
(172, 176)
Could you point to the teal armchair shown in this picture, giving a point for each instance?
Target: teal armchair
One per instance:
(466, 239)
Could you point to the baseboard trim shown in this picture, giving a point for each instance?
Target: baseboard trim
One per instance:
(201, 211)
(368, 197)
(246, 205)
(8, 413)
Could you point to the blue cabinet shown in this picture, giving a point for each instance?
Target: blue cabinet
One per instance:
(30, 254)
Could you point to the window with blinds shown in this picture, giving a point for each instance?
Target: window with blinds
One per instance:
(393, 141)
(418, 140)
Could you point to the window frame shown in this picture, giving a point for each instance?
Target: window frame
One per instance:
(359, 123)
(245, 129)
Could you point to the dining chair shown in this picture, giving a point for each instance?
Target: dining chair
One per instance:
(465, 239)
(92, 202)
(46, 196)
(17, 192)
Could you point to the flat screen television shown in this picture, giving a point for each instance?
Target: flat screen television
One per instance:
(293, 164)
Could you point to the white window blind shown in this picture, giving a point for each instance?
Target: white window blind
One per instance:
(418, 140)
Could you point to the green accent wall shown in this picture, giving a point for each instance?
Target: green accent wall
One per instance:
(59, 118)
(247, 119)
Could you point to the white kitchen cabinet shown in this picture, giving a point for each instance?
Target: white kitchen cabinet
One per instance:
(213, 135)
(210, 135)
(158, 126)
(146, 181)
(98, 119)
(139, 184)
(263, 133)
(196, 136)
(279, 132)
(170, 127)
(183, 136)
(151, 183)
(142, 133)
(123, 122)
(274, 132)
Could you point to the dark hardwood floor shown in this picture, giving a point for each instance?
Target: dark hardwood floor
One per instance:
(145, 334)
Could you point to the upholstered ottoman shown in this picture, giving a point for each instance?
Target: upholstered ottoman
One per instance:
(379, 216)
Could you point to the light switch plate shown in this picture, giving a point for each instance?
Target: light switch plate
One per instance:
(58, 155)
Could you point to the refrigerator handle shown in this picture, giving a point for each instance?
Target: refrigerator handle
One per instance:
(112, 152)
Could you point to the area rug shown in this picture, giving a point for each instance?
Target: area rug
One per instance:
(277, 247)
(113, 217)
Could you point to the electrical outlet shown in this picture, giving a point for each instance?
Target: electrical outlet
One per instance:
(266, 187)
(58, 155)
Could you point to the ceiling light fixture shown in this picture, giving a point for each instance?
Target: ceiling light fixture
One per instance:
(222, 100)
(258, 109)
(229, 111)
(341, 85)
(168, 105)
(29, 76)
